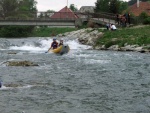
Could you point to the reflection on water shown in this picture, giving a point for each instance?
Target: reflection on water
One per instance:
(82, 81)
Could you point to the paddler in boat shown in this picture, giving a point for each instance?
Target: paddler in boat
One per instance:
(61, 42)
(54, 44)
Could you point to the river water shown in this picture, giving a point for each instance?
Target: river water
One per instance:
(82, 81)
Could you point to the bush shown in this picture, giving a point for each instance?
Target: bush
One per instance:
(90, 24)
(146, 21)
(15, 31)
(143, 15)
(110, 43)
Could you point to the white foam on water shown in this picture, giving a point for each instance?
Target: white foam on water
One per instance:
(46, 43)
(93, 61)
(6, 88)
(74, 44)
(19, 87)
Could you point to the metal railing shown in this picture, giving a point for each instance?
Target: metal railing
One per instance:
(63, 16)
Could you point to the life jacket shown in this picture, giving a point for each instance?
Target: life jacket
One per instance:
(60, 44)
(54, 45)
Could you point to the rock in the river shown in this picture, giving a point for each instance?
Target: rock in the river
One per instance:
(21, 63)
(12, 53)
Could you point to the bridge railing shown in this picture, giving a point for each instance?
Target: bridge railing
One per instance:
(54, 15)
(41, 16)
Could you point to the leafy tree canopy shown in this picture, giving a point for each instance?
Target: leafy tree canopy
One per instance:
(110, 6)
(12, 8)
(73, 7)
(131, 2)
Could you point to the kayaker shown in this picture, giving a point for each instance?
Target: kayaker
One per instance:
(54, 44)
(61, 42)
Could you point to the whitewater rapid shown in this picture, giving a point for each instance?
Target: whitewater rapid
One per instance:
(41, 45)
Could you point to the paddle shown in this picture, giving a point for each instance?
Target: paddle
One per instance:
(48, 50)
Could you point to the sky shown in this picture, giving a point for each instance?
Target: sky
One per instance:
(56, 5)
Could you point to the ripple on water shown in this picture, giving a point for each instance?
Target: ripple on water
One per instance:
(83, 81)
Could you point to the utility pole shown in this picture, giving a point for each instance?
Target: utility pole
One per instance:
(138, 3)
(67, 9)
(67, 3)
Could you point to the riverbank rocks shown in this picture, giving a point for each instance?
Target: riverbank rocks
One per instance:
(86, 36)
(21, 63)
(135, 48)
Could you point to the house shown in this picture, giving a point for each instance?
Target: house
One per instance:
(64, 13)
(137, 10)
(89, 9)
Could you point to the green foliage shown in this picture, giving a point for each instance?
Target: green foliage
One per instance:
(102, 6)
(114, 6)
(131, 36)
(50, 11)
(73, 8)
(110, 6)
(47, 32)
(143, 15)
(27, 5)
(110, 43)
(8, 7)
(15, 9)
(131, 2)
(146, 21)
(123, 6)
(15, 31)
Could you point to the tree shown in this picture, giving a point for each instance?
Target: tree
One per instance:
(131, 2)
(114, 6)
(14, 8)
(102, 6)
(110, 6)
(8, 8)
(123, 6)
(27, 5)
(73, 8)
(17, 9)
(50, 11)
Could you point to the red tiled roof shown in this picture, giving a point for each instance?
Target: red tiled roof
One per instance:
(64, 13)
(143, 7)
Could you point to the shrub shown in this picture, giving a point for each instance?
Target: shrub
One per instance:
(110, 43)
(90, 24)
(146, 21)
(143, 15)
(15, 31)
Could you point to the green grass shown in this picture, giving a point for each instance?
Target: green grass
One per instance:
(131, 36)
(47, 32)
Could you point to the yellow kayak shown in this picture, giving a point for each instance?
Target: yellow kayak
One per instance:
(61, 50)
(57, 50)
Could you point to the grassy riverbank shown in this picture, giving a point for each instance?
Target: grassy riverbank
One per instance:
(47, 32)
(127, 36)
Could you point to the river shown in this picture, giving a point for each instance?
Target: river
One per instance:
(82, 81)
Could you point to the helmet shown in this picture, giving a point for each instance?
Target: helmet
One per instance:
(61, 39)
(54, 38)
